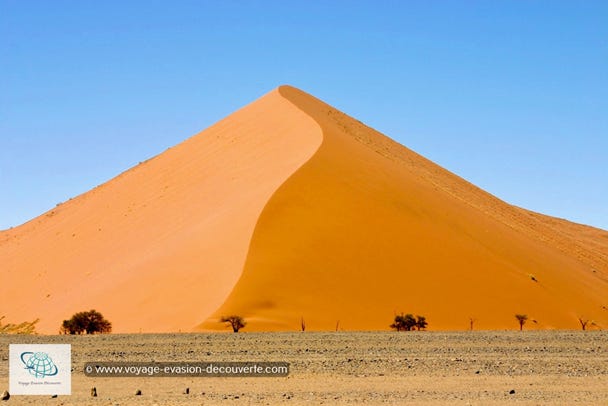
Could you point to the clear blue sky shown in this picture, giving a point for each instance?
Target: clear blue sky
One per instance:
(512, 96)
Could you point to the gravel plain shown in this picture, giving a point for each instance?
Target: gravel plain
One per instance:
(468, 368)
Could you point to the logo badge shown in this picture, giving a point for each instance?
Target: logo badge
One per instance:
(39, 364)
(40, 369)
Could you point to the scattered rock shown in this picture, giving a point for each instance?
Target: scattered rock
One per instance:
(54, 396)
(187, 391)
(94, 392)
(5, 395)
(512, 392)
(138, 392)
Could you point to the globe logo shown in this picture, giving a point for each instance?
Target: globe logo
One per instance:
(39, 364)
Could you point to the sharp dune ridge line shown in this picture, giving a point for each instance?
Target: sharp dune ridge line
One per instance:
(158, 248)
(287, 210)
(367, 228)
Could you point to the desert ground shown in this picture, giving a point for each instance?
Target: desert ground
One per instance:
(428, 368)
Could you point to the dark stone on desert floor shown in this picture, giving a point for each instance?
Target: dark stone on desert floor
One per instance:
(53, 397)
(187, 391)
(5, 395)
(94, 392)
(512, 392)
(138, 392)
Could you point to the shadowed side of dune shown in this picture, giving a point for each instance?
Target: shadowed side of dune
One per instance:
(162, 245)
(367, 228)
(289, 210)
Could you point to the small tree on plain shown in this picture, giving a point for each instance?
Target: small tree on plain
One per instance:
(399, 323)
(410, 322)
(421, 323)
(583, 322)
(521, 319)
(70, 327)
(236, 322)
(404, 322)
(90, 322)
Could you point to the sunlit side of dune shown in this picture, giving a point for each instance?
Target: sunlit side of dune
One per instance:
(160, 246)
(289, 211)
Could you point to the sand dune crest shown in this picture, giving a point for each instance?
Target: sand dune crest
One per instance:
(160, 246)
(290, 209)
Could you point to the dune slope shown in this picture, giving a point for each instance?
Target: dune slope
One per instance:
(159, 247)
(288, 211)
(367, 228)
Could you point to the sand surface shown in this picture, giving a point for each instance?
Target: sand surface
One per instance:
(464, 368)
(159, 247)
(368, 228)
(289, 209)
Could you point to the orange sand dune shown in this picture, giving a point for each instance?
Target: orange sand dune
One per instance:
(159, 247)
(289, 209)
(367, 228)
